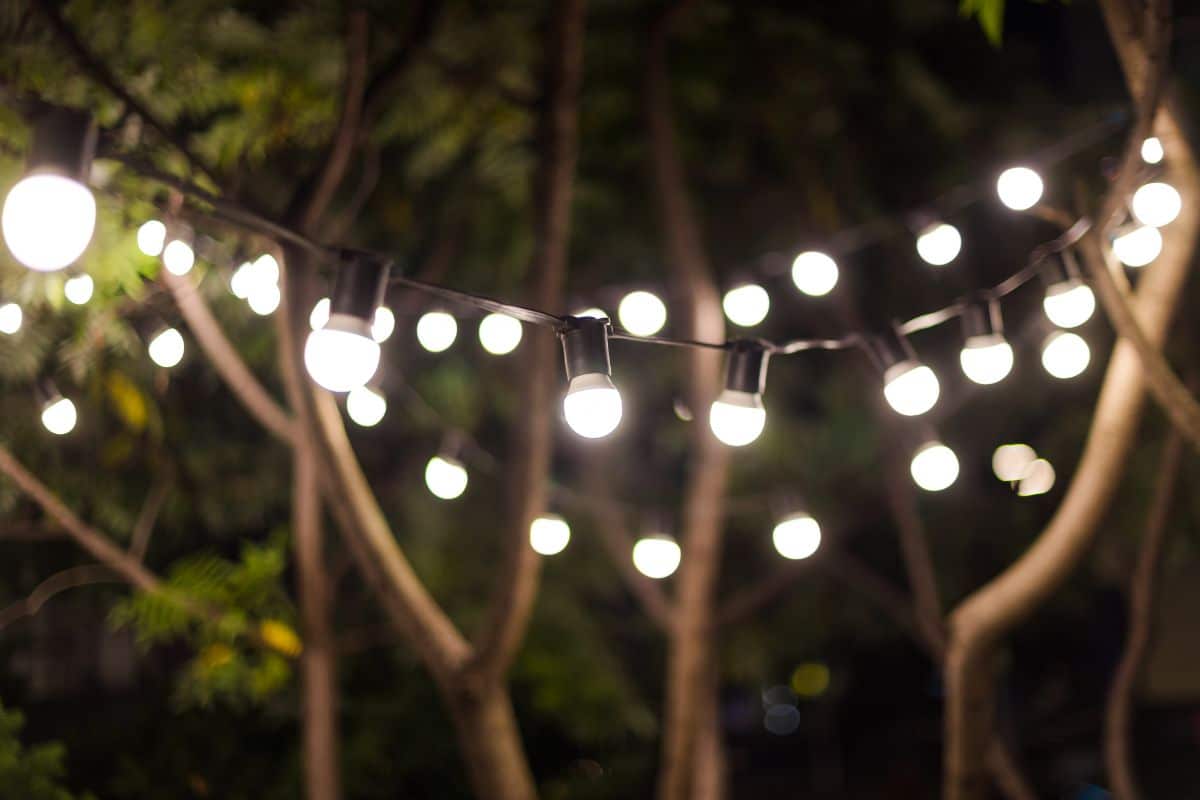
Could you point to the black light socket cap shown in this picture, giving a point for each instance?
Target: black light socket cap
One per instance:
(982, 319)
(359, 285)
(64, 143)
(585, 347)
(746, 367)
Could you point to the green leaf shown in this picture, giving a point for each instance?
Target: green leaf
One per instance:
(990, 14)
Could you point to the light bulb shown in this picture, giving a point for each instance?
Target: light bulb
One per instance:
(986, 359)
(939, 244)
(549, 534)
(797, 536)
(151, 237)
(59, 416)
(911, 388)
(257, 276)
(1038, 478)
(340, 359)
(446, 477)
(1152, 150)
(78, 289)
(656, 556)
(319, 315)
(591, 313)
(815, 274)
(642, 313)
(499, 334)
(592, 405)
(366, 406)
(1065, 355)
(746, 305)
(934, 467)
(48, 220)
(264, 299)
(1019, 188)
(1138, 247)
(737, 418)
(266, 268)
(436, 331)
(1156, 204)
(11, 317)
(166, 348)
(1069, 303)
(1010, 460)
(178, 257)
(383, 325)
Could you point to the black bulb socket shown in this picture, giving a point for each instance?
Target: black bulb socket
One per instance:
(359, 285)
(585, 347)
(64, 143)
(746, 367)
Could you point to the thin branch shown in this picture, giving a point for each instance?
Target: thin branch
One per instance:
(70, 578)
(148, 517)
(420, 31)
(372, 170)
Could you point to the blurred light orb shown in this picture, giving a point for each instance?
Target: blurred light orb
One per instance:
(1065, 354)
(810, 679)
(737, 418)
(1156, 204)
(1019, 188)
(796, 536)
(59, 416)
(1152, 150)
(266, 268)
(934, 467)
(1038, 478)
(986, 359)
(814, 273)
(264, 299)
(549, 535)
(657, 556)
(383, 325)
(499, 334)
(445, 477)
(319, 314)
(746, 305)
(366, 406)
(592, 405)
(939, 244)
(178, 257)
(1009, 461)
(48, 221)
(78, 289)
(166, 348)
(151, 237)
(1069, 304)
(642, 313)
(436, 331)
(911, 388)
(11, 317)
(781, 719)
(340, 360)
(1138, 247)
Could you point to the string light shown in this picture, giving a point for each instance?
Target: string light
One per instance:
(1010, 461)
(166, 348)
(939, 244)
(934, 467)
(11, 317)
(1152, 150)
(152, 237)
(58, 413)
(642, 313)
(1065, 354)
(592, 404)
(737, 416)
(594, 313)
(814, 273)
(796, 536)
(366, 406)
(319, 314)
(1156, 204)
(499, 333)
(1019, 188)
(746, 305)
(445, 477)
(910, 387)
(1137, 247)
(549, 535)
(1038, 478)
(436, 331)
(178, 256)
(1068, 302)
(384, 324)
(341, 355)
(657, 556)
(986, 356)
(78, 289)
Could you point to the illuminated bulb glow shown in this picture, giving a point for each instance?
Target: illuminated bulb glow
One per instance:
(1152, 150)
(341, 356)
(815, 274)
(910, 388)
(1038, 478)
(986, 359)
(1069, 304)
(1019, 188)
(48, 220)
(366, 406)
(642, 313)
(1156, 204)
(591, 313)
(166, 348)
(436, 331)
(549, 535)
(1010, 461)
(11, 317)
(797, 536)
(264, 299)
(1065, 355)
(934, 467)
(1138, 247)
(746, 305)
(151, 237)
(319, 315)
(499, 334)
(445, 477)
(256, 277)
(657, 556)
(178, 257)
(78, 289)
(384, 324)
(939, 244)
(59, 416)
(737, 418)
(592, 405)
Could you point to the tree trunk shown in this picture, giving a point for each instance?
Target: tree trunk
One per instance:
(491, 743)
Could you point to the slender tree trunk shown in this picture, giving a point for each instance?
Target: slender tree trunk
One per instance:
(491, 743)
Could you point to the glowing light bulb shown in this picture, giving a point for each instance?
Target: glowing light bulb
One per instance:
(1069, 304)
(1152, 150)
(939, 244)
(366, 406)
(151, 237)
(1156, 204)
(499, 334)
(256, 277)
(642, 313)
(178, 257)
(48, 221)
(436, 331)
(78, 289)
(1138, 247)
(263, 298)
(591, 313)
(59, 416)
(746, 305)
(383, 325)
(11, 317)
(815, 274)
(1038, 478)
(592, 405)
(797, 536)
(1019, 188)
(549, 535)
(657, 556)
(910, 388)
(737, 418)
(1065, 355)
(445, 477)
(319, 315)
(266, 269)
(1010, 461)
(934, 467)
(986, 359)
(342, 357)
(166, 348)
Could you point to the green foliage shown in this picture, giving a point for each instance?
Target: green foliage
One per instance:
(990, 14)
(30, 773)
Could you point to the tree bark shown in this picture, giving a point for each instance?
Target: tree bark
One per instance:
(491, 742)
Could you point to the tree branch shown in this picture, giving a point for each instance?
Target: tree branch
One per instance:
(420, 30)
(59, 582)
(139, 541)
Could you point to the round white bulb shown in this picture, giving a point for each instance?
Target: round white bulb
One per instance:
(549, 535)
(78, 289)
(1138, 247)
(166, 348)
(1010, 460)
(151, 237)
(384, 324)
(1019, 188)
(815, 274)
(656, 556)
(319, 315)
(910, 388)
(1065, 355)
(436, 331)
(934, 467)
(591, 313)
(445, 477)
(264, 299)
(59, 416)
(1038, 478)
(1156, 204)
(1152, 150)
(737, 418)
(746, 305)
(48, 221)
(642, 313)
(340, 360)
(1069, 304)
(986, 359)
(592, 405)
(939, 244)
(266, 268)
(797, 536)
(11, 317)
(255, 277)
(178, 257)
(499, 334)
(366, 406)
